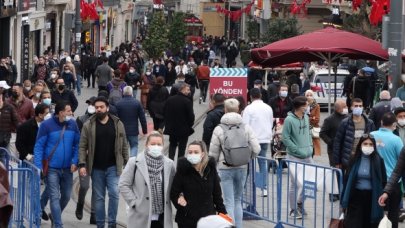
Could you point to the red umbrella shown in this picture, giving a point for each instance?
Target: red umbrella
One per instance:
(326, 44)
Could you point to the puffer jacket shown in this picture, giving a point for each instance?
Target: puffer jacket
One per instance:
(343, 144)
(217, 139)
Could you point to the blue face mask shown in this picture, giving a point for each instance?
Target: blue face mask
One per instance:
(357, 111)
(283, 93)
(47, 101)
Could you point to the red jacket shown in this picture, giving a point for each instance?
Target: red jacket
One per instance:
(203, 72)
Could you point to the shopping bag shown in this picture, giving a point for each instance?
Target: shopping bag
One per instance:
(337, 223)
(385, 223)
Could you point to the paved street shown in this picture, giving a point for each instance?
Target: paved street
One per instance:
(70, 220)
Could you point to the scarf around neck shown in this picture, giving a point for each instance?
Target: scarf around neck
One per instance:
(155, 167)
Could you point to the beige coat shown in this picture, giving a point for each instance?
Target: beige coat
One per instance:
(88, 144)
(134, 186)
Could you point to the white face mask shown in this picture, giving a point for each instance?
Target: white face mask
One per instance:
(91, 109)
(28, 88)
(367, 150)
(401, 122)
(194, 158)
(345, 111)
(403, 77)
(68, 118)
(302, 78)
(155, 151)
(48, 116)
(132, 71)
(53, 76)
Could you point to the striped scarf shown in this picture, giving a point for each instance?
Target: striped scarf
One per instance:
(155, 167)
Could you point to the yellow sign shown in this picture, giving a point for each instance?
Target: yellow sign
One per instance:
(87, 37)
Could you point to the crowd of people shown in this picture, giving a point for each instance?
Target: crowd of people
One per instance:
(37, 124)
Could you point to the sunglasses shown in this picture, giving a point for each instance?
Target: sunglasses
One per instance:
(368, 136)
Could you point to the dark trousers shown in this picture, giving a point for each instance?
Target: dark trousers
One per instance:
(84, 187)
(204, 89)
(393, 206)
(359, 210)
(156, 224)
(90, 75)
(158, 123)
(186, 226)
(181, 142)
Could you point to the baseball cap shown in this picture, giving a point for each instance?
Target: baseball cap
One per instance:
(91, 100)
(3, 84)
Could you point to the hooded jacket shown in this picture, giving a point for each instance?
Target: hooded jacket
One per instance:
(297, 136)
(202, 193)
(217, 140)
(211, 121)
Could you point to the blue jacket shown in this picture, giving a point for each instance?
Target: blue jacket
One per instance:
(342, 146)
(378, 181)
(67, 151)
(389, 147)
(129, 110)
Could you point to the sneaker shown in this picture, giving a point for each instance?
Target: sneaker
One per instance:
(45, 215)
(301, 209)
(264, 193)
(401, 217)
(295, 214)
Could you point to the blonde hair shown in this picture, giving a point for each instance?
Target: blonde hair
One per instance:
(154, 134)
(231, 105)
(309, 91)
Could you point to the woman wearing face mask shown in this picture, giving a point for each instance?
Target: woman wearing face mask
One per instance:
(145, 186)
(365, 181)
(314, 112)
(196, 191)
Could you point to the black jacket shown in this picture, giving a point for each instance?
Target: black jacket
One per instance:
(378, 111)
(343, 143)
(26, 137)
(156, 101)
(67, 96)
(329, 129)
(179, 116)
(203, 194)
(211, 121)
(396, 174)
(277, 111)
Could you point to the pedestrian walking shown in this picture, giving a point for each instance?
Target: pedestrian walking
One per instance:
(259, 116)
(104, 74)
(233, 177)
(9, 119)
(379, 109)
(389, 147)
(281, 104)
(213, 117)
(298, 141)
(104, 150)
(130, 113)
(196, 183)
(148, 81)
(61, 93)
(156, 102)
(179, 119)
(203, 76)
(133, 79)
(145, 185)
(365, 181)
(57, 143)
(79, 73)
(314, 113)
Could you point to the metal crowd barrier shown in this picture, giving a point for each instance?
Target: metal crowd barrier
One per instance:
(25, 183)
(316, 184)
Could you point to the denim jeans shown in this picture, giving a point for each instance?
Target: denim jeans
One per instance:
(295, 191)
(232, 184)
(59, 183)
(102, 180)
(79, 84)
(44, 197)
(133, 145)
(263, 162)
(84, 187)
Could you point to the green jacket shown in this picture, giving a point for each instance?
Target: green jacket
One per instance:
(297, 136)
(88, 144)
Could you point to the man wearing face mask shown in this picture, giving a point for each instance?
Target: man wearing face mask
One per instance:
(389, 147)
(281, 104)
(58, 141)
(401, 90)
(63, 94)
(51, 82)
(27, 132)
(349, 133)
(400, 130)
(298, 141)
(41, 71)
(379, 109)
(104, 151)
(104, 74)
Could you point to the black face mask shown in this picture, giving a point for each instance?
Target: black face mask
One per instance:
(101, 115)
(14, 94)
(61, 87)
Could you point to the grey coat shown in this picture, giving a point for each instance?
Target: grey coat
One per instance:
(136, 191)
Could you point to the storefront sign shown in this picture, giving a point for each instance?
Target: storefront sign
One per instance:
(25, 39)
(231, 82)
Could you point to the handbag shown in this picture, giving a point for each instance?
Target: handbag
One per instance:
(385, 223)
(45, 162)
(315, 132)
(337, 223)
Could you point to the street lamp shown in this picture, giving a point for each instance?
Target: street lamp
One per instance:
(78, 27)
